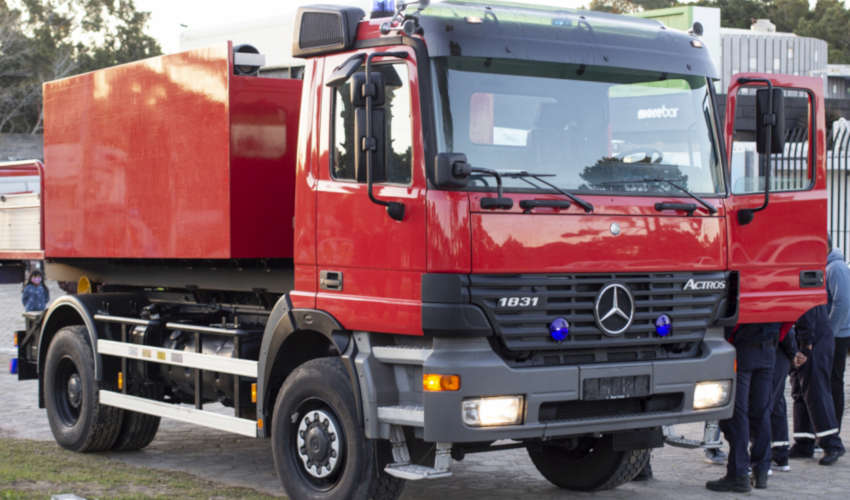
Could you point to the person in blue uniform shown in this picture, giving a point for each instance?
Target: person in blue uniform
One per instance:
(838, 288)
(814, 410)
(755, 346)
(35, 295)
(787, 355)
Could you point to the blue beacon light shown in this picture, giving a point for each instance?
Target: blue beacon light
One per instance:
(559, 329)
(663, 325)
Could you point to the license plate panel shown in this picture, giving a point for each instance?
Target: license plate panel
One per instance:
(633, 386)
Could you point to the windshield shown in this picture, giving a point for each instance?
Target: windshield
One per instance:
(596, 129)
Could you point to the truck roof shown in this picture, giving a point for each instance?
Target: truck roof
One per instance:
(552, 34)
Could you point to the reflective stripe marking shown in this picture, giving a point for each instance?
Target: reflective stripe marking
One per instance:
(779, 443)
(209, 362)
(209, 419)
(827, 433)
(804, 435)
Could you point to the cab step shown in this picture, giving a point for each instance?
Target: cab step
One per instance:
(401, 355)
(413, 472)
(412, 415)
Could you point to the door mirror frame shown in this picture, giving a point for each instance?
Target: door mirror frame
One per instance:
(768, 120)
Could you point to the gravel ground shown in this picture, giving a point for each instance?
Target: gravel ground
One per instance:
(239, 461)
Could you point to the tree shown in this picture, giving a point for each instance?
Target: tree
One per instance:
(828, 21)
(738, 13)
(16, 92)
(65, 37)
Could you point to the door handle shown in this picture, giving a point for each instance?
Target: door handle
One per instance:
(811, 279)
(330, 280)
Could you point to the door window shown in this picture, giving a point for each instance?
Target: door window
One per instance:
(790, 170)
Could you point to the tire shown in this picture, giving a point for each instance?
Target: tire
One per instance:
(77, 419)
(137, 429)
(316, 404)
(594, 466)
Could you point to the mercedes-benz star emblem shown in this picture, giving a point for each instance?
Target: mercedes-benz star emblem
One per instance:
(614, 309)
(615, 229)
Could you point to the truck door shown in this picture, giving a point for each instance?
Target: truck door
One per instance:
(369, 264)
(781, 254)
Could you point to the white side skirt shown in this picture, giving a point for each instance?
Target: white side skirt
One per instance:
(212, 420)
(186, 359)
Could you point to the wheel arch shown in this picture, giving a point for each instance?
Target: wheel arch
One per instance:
(292, 337)
(70, 310)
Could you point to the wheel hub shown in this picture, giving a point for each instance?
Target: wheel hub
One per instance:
(75, 390)
(318, 443)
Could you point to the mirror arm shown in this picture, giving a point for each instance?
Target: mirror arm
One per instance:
(745, 215)
(394, 209)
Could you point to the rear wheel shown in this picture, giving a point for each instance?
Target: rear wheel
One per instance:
(320, 450)
(137, 429)
(591, 465)
(77, 419)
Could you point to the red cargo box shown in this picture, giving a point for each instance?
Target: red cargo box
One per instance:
(172, 157)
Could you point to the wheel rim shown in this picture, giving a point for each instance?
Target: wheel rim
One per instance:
(68, 393)
(318, 442)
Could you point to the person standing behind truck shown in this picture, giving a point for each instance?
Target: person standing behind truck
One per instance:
(755, 346)
(35, 295)
(814, 412)
(838, 290)
(787, 355)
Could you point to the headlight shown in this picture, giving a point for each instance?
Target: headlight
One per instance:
(499, 410)
(712, 393)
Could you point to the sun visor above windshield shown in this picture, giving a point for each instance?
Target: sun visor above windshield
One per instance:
(562, 36)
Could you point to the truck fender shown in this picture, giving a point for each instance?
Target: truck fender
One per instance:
(68, 310)
(283, 323)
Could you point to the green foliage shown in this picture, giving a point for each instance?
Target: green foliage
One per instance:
(45, 40)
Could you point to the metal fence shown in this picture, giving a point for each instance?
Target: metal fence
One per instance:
(838, 187)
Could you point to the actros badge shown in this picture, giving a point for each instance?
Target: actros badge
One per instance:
(693, 284)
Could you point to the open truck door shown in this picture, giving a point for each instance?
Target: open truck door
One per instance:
(777, 208)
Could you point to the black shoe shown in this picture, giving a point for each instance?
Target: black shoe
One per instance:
(738, 484)
(830, 457)
(760, 479)
(798, 453)
(645, 474)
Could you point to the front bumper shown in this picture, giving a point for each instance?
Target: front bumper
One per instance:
(484, 373)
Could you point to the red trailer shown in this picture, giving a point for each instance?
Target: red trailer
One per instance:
(466, 224)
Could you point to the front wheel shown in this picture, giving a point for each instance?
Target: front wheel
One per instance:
(591, 465)
(320, 450)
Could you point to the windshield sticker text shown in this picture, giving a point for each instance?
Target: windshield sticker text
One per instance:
(654, 113)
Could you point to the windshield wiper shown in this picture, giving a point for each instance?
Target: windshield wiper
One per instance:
(524, 175)
(708, 207)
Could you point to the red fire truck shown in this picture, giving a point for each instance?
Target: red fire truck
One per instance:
(469, 227)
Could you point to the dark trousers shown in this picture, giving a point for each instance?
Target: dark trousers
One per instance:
(814, 410)
(842, 345)
(750, 422)
(779, 412)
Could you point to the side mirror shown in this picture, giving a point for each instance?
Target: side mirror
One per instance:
(370, 136)
(770, 110)
(375, 87)
(451, 170)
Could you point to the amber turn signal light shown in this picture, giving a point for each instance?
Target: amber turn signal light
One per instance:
(433, 382)
(254, 393)
(120, 380)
